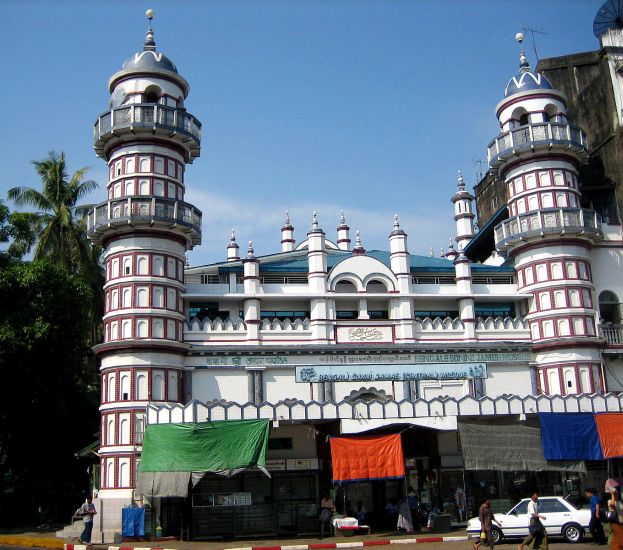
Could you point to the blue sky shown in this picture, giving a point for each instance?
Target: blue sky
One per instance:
(370, 106)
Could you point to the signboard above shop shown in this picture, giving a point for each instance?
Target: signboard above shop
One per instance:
(273, 361)
(368, 373)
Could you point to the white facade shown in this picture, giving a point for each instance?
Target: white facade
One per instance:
(318, 333)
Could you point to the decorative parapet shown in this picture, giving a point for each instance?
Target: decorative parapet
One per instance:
(218, 325)
(294, 410)
(501, 323)
(173, 123)
(612, 334)
(546, 136)
(285, 325)
(117, 214)
(576, 221)
(438, 324)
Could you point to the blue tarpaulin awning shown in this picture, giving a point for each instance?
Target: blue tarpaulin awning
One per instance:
(570, 436)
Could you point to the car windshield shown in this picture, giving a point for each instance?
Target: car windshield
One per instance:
(521, 508)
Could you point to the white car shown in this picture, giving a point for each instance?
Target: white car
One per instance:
(563, 520)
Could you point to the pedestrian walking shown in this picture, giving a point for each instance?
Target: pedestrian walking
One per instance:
(595, 526)
(537, 536)
(414, 506)
(486, 517)
(327, 507)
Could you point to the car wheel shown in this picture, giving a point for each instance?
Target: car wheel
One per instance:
(572, 532)
(496, 535)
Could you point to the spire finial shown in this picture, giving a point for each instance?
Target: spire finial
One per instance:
(342, 218)
(287, 218)
(150, 44)
(250, 251)
(315, 220)
(432, 252)
(233, 235)
(396, 223)
(450, 245)
(460, 181)
(357, 239)
(523, 60)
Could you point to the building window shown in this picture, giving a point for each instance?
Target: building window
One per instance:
(346, 314)
(494, 309)
(378, 314)
(205, 310)
(283, 315)
(280, 443)
(609, 307)
(256, 386)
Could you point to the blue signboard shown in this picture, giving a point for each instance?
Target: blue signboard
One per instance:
(368, 373)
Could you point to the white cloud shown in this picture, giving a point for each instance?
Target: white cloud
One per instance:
(261, 221)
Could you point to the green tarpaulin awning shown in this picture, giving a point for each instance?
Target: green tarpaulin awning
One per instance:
(222, 447)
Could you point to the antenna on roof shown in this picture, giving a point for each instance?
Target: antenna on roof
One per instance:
(532, 31)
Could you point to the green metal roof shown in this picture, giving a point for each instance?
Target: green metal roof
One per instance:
(296, 262)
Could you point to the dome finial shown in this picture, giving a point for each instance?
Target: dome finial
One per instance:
(460, 181)
(287, 222)
(342, 218)
(150, 44)
(524, 66)
(233, 235)
(396, 223)
(315, 220)
(432, 252)
(250, 251)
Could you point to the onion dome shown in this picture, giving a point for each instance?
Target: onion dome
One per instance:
(525, 79)
(150, 62)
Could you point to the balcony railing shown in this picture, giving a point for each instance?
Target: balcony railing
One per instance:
(546, 135)
(176, 123)
(549, 220)
(115, 213)
(613, 334)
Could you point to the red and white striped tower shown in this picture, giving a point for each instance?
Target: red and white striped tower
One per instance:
(548, 235)
(147, 137)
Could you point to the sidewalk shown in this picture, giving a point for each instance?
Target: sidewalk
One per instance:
(47, 540)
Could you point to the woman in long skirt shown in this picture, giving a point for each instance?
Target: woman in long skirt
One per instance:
(405, 522)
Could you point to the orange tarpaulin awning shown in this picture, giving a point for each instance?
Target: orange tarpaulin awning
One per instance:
(610, 427)
(366, 457)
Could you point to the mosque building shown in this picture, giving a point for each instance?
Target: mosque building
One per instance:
(324, 338)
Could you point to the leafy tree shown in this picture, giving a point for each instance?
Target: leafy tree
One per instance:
(48, 409)
(59, 223)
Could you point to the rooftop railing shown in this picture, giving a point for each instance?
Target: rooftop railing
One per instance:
(549, 220)
(177, 123)
(613, 334)
(530, 137)
(115, 213)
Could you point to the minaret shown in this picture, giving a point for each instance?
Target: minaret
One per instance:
(145, 228)
(358, 249)
(252, 308)
(233, 248)
(287, 235)
(317, 282)
(463, 213)
(343, 238)
(548, 235)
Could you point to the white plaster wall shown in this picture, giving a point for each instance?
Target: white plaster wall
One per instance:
(303, 443)
(429, 389)
(231, 385)
(154, 245)
(147, 148)
(607, 266)
(143, 359)
(613, 372)
(513, 379)
(141, 84)
(531, 105)
(279, 384)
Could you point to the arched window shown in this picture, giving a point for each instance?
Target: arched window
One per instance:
(110, 472)
(152, 94)
(124, 432)
(523, 119)
(609, 307)
(141, 386)
(158, 387)
(124, 473)
(110, 430)
(125, 387)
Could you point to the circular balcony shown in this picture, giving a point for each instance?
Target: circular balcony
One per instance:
(147, 119)
(120, 216)
(549, 221)
(537, 138)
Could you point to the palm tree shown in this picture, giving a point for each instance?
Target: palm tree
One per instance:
(59, 224)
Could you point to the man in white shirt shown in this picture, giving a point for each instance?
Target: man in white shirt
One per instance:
(537, 531)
